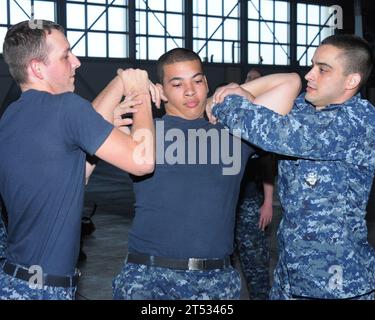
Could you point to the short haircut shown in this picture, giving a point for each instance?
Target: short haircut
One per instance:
(24, 42)
(356, 52)
(173, 56)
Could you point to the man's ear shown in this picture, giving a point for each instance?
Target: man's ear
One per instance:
(353, 81)
(36, 69)
(161, 91)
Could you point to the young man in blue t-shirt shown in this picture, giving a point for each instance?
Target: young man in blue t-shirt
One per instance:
(44, 138)
(182, 234)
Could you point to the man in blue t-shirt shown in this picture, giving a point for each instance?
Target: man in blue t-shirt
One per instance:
(44, 138)
(183, 231)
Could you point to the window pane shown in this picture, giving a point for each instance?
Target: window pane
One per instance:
(281, 56)
(229, 5)
(301, 13)
(253, 53)
(199, 46)
(44, 10)
(266, 52)
(3, 12)
(266, 11)
(253, 31)
(141, 44)
(175, 43)
(141, 23)
(281, 32)
(120, 2)
(215, 51)
(300, 56)
(313, 14)
(199, 7)
(310, 54)
(311, 34)
(17, 14)
(301, 34)
(253, 9)
(79, 48)
(97, 46)
(156, 23)
(75, 16)
(93, 13)
(97, 1)
(231, 29)
(215, 7)
(326, 32)
(140, 4)
(156, 5)
(175, 5)
(265, 32)
(212, 25)
(117, 19)
(155, 48)
(327, 17)
(118, 45)
(282, 11)
(174, 24)
(199, 29)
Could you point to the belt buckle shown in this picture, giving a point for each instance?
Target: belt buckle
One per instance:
(195, 264)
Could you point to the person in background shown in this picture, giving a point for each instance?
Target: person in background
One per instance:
(254, 213)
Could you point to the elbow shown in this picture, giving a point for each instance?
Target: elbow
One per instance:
(295, 82)
(144, 169)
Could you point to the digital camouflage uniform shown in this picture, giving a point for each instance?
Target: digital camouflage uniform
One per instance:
(16, 289)
(141, 282)
(324, 186)
(253, 248)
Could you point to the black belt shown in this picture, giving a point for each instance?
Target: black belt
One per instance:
(179, 264)
(22, 273)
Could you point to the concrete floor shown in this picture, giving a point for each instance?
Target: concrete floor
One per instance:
(110, 189)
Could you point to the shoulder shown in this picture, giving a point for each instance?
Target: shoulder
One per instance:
(72, 98)
(71, 102)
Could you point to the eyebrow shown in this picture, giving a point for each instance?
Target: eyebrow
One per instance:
(322, 64)
(181, 78)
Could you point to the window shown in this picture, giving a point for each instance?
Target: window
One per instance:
(313, 25)
(98, 28)
(268, 32)
(216, 30)
(12, 12)
(159, 27)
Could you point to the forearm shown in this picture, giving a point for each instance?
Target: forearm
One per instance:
(109, 98)
(276, 92)
(143, 129)
(264, 84)
(292, 135)
(268, 193)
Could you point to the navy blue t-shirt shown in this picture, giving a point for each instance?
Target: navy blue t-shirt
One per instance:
(43, 140)
(186, 208)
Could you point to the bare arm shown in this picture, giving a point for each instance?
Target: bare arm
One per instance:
(104, 104)
(266, 210)
(276, 92)
(134, 153)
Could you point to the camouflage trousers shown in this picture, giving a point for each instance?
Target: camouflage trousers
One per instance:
(141, 282)
(253, 248)
(281, 289)
(3, 239)
(15, 289)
